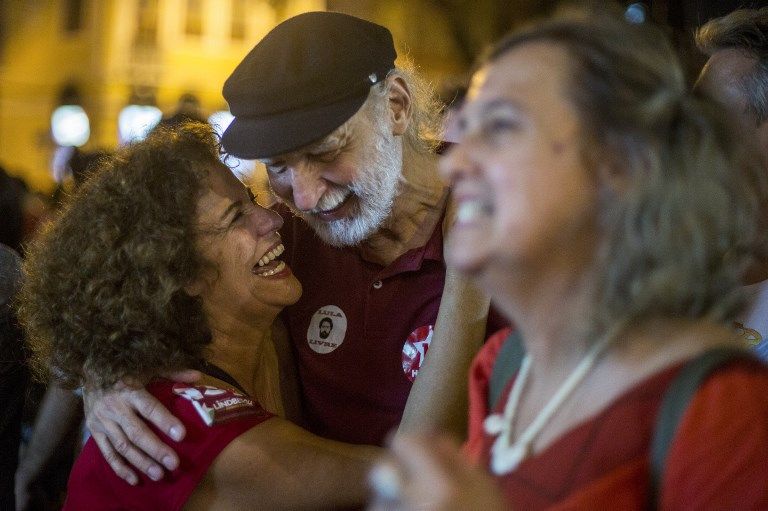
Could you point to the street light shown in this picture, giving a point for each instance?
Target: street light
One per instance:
(70, 126)
(134, 122)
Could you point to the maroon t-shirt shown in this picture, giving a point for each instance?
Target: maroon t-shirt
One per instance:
(360, 330)
(213, 417)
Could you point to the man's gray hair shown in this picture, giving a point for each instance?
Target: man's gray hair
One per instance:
(745, 30)
(424, 132)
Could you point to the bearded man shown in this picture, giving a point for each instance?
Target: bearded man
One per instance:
(348, 140)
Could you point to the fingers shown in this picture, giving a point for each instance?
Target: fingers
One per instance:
(114, 460)
(423, 473)
(386, 480)
(435, 475)
(412, 475)
(152, 410)
(378, 505)
(137, 445)
(124, 438)
(434, 459)
(449, 451)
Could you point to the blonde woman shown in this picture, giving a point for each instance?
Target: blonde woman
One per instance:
(611, 216)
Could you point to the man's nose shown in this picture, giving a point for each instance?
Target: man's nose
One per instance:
(307, 185)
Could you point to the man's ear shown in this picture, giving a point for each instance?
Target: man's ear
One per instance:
(400, 106)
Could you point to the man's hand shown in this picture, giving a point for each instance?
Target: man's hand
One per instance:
(114, 418)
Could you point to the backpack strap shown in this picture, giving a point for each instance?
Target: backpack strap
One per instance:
(505, 366)
(675, 402)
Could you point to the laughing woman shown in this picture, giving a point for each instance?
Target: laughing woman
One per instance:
(162, 261)
(610, 214)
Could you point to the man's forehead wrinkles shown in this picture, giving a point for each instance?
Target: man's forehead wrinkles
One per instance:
(282, 157)
(336, 139)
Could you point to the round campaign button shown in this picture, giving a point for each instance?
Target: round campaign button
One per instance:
(327, 329)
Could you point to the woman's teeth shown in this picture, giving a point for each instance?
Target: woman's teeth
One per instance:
(277, 269)
(269, 256)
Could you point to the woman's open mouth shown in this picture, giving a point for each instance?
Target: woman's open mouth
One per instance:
(269, 265)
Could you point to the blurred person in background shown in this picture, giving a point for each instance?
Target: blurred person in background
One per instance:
(737, 75)
(55, 436)
(75, 171)
(12, 195)
(187, 109)
(13, 374)
(612, 215)
(80, 164)
(50, 445)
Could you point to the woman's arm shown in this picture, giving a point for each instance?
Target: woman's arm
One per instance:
(277, 465)
(59, 413)
(438, 398)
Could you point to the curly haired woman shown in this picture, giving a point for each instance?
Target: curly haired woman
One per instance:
(162, 261)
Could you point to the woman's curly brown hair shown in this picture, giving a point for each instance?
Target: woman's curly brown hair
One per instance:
(103, 296)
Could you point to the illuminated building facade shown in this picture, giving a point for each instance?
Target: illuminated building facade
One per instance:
(106, 54)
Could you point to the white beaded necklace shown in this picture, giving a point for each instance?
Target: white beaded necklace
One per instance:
(507, 455)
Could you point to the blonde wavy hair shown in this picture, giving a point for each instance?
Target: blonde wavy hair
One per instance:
(680, 230)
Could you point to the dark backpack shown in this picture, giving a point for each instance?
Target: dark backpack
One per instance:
(673, 403)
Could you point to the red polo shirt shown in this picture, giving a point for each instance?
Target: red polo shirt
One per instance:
(356, 371)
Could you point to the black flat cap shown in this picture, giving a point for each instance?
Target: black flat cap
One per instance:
(306, 78)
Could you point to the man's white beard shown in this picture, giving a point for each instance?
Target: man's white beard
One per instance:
(374, 190)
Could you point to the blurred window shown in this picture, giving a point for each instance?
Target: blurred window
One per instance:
(239, 13)
(194, 20)
(73, 15)
(146, 27)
